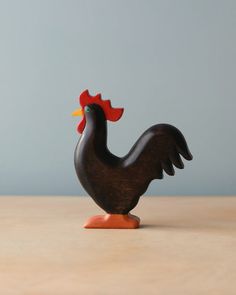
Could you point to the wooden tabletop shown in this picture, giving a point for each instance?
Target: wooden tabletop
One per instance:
(186, 245)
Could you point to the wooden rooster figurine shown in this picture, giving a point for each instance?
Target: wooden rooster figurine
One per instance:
(115, 183)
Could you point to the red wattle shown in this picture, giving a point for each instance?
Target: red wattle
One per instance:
(81, 125)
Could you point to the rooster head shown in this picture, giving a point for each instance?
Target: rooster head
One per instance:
(85, 99)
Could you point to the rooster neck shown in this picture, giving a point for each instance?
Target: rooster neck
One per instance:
(92, 146)
(94, 138)
(96, 132)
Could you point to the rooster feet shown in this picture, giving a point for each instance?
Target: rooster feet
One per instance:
(119, 221)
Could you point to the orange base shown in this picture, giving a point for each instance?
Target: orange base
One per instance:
(127, 221)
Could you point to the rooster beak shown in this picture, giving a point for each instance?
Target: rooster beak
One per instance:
(78, 112)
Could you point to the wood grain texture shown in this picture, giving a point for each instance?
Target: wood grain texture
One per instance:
(187, 245)
(116, 183)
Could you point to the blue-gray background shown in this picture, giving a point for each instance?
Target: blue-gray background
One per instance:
(163, 61)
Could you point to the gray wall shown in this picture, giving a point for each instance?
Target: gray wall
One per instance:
(163, 61)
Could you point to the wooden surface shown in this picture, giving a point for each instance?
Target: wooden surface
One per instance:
(187, 245)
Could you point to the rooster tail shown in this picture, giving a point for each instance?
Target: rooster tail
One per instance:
(182, 147)
(160, 148)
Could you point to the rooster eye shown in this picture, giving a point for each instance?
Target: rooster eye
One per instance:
(87, 109)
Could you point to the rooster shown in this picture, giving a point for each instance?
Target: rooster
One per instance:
(116, 183)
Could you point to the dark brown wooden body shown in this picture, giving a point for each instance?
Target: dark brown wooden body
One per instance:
(114, 183)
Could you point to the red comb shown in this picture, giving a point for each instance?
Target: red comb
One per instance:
(111, 114)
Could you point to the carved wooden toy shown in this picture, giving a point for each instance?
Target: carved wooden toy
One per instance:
(115, 183)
